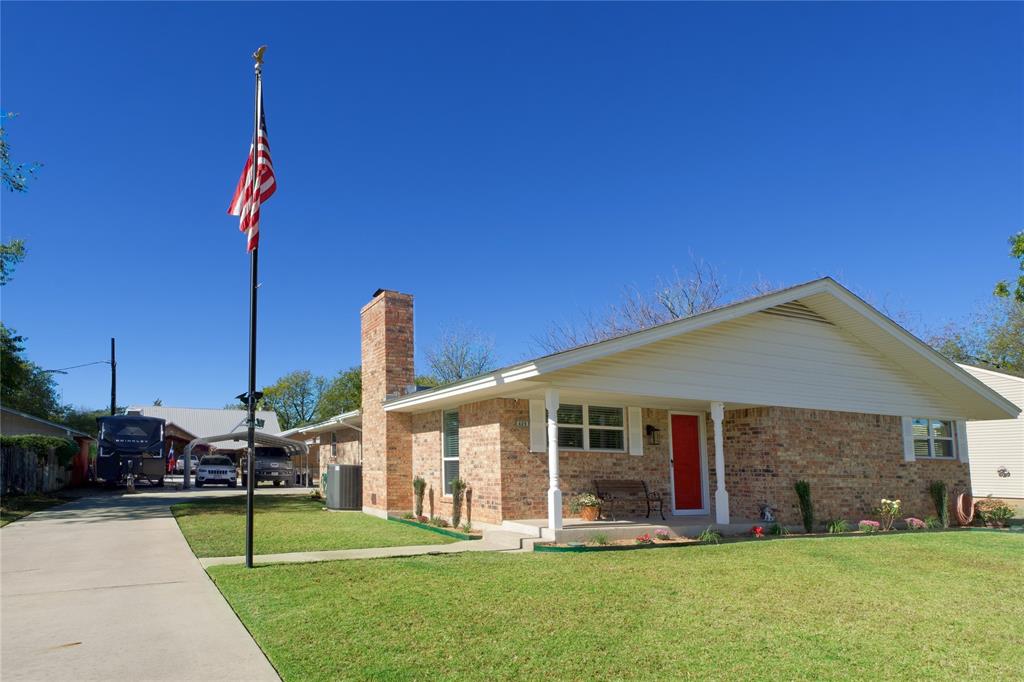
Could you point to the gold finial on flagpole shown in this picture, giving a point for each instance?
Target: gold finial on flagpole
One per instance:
(258, 56)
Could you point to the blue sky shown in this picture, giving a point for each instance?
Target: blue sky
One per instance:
(508, 164)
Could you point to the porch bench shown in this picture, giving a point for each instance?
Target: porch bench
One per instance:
(614, 492)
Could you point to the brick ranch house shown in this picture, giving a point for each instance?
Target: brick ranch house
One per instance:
(719, 412)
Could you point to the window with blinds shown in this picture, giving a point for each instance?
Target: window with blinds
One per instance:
(591, 427)
(933, 438)
(449, 449)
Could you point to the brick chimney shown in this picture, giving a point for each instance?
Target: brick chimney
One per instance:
(387, 356)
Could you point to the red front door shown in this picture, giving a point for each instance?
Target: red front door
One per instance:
(686, 471)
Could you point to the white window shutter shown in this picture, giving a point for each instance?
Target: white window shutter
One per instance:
(636, 431)
(961, 440)
(908, 439)
(538, 426)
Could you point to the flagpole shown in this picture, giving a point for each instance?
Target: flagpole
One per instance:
(250, 463)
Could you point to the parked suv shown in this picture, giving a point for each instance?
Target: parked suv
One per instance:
(272, 464)
(216, 469)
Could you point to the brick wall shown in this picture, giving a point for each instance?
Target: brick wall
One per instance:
(479, 460)
(387, 365)
(851, 461)
(525, 474)
(348, 448)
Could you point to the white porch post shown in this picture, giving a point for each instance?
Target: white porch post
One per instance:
(554, 494)
(721, 496)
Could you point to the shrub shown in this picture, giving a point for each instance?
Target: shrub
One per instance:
(644, 539)
(940, 498)
(458, 490)
(467, 527)
(64, 448)
(803, 495)
(422, 519)
(932, 522)
(599, 539)
(838, 526)
(869, 526)
(408, 515)
(709, 536)
(578, 502)
(757, 531)
(438, 521)
(914, 523)
(778, 529)
(888, 510)
(419, 486)
(663, 534)
(994, 512)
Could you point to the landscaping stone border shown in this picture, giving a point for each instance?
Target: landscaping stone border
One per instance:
(458, 535)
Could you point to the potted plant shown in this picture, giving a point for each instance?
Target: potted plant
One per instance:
(586, 505)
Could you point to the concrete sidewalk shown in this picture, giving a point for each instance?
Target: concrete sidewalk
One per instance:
(106, 588)
(367, 553)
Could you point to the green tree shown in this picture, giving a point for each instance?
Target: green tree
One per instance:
(25, 386)
(993, 336)
(15, 177)
(82, 418)
(1007, 289)
(343, 393)
(295, 397)
(11, 253)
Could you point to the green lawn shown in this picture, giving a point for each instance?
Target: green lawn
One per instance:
(14, 507)
(931, 605)
(288, 523)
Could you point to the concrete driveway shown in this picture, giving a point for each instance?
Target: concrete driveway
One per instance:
(106, 588)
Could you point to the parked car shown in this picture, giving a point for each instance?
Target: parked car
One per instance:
(179, 465)
(272, 464)
(216, 469)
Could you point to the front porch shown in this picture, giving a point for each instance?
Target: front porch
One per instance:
(680, 457)
(628, 527)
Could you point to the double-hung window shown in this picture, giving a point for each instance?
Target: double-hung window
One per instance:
(449, 449)
(591, 427)
(933, 438)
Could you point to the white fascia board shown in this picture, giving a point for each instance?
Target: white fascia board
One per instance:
(415, 401)
(933, 356)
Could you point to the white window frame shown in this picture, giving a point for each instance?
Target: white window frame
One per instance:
(954, 447)
(586, 426)
(334, 445)
(446, 489)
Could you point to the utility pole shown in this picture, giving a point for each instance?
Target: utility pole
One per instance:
(113, 379)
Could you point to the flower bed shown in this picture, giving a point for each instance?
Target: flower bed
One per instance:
(450, 532)
(653, 541)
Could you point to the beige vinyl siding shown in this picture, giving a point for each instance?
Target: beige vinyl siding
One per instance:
(765, 359)
(997, 443)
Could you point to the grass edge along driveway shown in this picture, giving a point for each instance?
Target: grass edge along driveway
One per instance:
(16, 507)
(215, 527)
(931, 605)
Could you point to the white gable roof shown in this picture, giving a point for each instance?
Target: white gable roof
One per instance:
(906, 375)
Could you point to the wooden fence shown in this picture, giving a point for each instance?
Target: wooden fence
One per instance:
(23, 471)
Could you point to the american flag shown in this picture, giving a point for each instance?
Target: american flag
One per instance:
(249, 195)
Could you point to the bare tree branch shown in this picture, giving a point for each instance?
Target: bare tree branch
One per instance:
(460, 352)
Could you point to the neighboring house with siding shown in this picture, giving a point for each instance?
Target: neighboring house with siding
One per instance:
(719, 412)
(997, 446)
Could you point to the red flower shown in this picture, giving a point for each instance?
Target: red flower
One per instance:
(758, 531)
